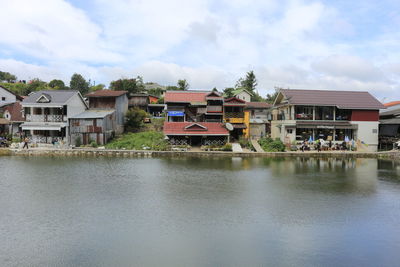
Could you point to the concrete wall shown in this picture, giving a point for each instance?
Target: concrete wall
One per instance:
(367, 132)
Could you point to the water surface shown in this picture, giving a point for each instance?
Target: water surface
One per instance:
(199, 212)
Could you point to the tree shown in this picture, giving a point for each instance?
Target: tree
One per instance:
(271, 97)
(155, 91)
(98, 87)
(249, 83)
(35, 85)
(57, 84)
(172, 88)
(183, 84)
(8, 77)
(215, 89)
(134, 119)
(228, 92)
(79, 83)
(131, 85)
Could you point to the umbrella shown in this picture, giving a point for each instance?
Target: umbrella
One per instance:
(310, 140)
(346, 139)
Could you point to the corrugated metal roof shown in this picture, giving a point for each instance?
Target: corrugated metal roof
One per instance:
(59, 97)
(185, 96)
(93, 114)
(390, 121)
(106, 93)
(257, 105)
(341, 99)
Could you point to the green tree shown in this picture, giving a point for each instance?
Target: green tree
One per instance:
(57, 84)
(8, 77)
(271, 97)
(35, 85)
(172, 88)
(215, 89)
(131, 85)
(155, 91)
(249, 82)
(134, 119)
(98, 87)
(183, 85)
(228, 92)
(79, 83)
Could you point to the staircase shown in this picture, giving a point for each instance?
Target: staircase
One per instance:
(236, 147)
(256, 146)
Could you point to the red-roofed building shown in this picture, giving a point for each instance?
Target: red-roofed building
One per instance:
(200, 111)
(329, 115)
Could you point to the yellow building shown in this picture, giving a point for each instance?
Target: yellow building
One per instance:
(235, 114)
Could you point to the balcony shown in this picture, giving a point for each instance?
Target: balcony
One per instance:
(214, 109)
(232, 115)
(45, 118)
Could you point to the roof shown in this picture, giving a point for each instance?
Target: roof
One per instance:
(59, 97)
(11, 92)
(238, 91)
(393, 103)
(186, 96)
(4, 121)
(261, 105)
(393, 112)
(233, 101)
(94, 114)
(195, 128)
(390, 121)
(341, 99)
(15, 110)
(106, 93)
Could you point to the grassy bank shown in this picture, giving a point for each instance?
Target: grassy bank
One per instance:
(148, 140)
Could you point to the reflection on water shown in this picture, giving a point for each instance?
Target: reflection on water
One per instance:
(199, 211)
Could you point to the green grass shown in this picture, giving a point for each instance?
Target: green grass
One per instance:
(151, 140)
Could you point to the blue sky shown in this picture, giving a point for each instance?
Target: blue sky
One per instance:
(340, 45)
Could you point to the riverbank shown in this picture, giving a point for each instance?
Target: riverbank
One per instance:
(93, 152)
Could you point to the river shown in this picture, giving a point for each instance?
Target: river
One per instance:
(199, 212)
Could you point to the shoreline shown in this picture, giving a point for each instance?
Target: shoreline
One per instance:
(88, 152)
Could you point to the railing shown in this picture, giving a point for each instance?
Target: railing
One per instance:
(234, 115)
(212, 109)
(44, 118)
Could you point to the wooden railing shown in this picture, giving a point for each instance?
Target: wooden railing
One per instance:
(229, 115)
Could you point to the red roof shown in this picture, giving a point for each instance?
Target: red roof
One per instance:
(393, 103)
(106, 93)
(341, 99)
(194, 128)
(15, 110)
(185, 96)
(233, 101)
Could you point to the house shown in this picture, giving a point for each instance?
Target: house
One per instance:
(242, 94)
(140, 100)
(8, 97)
(391, 106)
(109, 99)
(14, 115)
(153, 99)
(195, 118)
(47, 112)
(331, 115)
(237, 116)
(389, 128)
(93, 125)
(259, 119)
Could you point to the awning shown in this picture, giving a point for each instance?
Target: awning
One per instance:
(176, 114)
(239, 125)
(25, 126)
(4, 121)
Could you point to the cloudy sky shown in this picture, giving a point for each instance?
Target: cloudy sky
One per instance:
(348, 45)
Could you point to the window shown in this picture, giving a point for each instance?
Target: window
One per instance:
(3, 98)
(374, 131)
(343, 114)
(324, 113)
(325, 134)
(303, 134)
(289, 131)
(304, 112)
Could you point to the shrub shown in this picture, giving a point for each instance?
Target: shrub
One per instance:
(94, 144)
(226, 147)
(137, 141)
(78, 141)
(270, 145)
(134, 119)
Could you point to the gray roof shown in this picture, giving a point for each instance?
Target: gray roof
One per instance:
(341, 99)
(392, 112)
(94, 114)
(390, 121)
(58, 97)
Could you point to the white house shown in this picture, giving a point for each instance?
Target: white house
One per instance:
(242, 94)
(47, 113)
(8, 97)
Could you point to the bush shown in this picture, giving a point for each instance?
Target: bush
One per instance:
(270, 145)
(134, 119)
(151, 140)
(78, 142)
(94, 144)
(226, 147)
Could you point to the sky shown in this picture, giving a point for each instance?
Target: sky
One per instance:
(339, 45)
